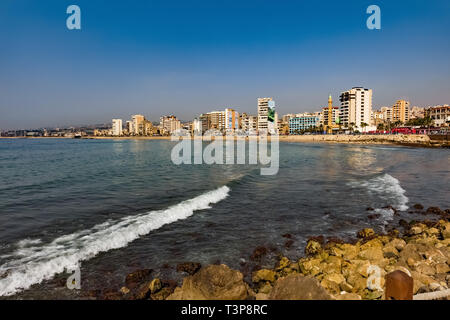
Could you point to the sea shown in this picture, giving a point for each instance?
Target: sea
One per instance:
(109, 207)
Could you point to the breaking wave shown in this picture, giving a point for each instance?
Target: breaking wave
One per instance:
(33, 263)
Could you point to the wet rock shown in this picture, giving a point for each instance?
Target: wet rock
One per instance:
(162, 294)
(124, 290)
(189, 267)
(258, 253)
(288, 236)
(366, 233)
(370, 209)
(288, 244)
(416, 229)
(214, 282)
(434, 210)
(264, 275)
(298, 287)
(135, 279)
(283, 263)
(111, 294)
(418, 206)
(374, 216)
(143, 292)
(313, 247)
(155, 285)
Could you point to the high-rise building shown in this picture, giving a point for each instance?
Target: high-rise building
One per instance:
(400, 111)
(116, 127)
(169, 124)
(231, 119)
(387, 114)
(266, 115)
(138, 124)
(356, 107)
(303, 122)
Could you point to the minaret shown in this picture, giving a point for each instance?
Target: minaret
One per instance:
(330, 112)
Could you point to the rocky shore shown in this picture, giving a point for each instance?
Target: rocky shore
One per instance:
(331, 269)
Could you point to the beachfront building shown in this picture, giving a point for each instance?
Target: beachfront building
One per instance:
(400, 111)
(303, 122)
(266, 115)
(356, 107)
(439, 114)
(138, 124)
(334, 116)
(231, 119)
(169, 124)
(248, 123)
(116, 127)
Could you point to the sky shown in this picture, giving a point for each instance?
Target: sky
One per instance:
(190, 57)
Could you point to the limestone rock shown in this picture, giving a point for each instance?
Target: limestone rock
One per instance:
(155, 285)
(365, 233)
(313, 247)
(264, 275)
(189, 267)
(215, 282)
(298, 287)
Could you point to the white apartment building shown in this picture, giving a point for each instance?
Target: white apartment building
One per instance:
(356, 107)
(116, 127)
(138, 124)
(266, 115)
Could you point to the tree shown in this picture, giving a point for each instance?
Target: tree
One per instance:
(380, 127)
(364, 125)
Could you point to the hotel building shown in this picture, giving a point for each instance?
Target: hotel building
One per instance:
(439, 114)
(356, 107)
(303, 122)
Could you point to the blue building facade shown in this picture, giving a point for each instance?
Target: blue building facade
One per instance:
(303, 123)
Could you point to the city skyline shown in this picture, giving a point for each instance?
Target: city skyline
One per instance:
(148, 58)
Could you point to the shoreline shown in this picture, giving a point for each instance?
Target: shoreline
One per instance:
(330, 269)
(412, 140)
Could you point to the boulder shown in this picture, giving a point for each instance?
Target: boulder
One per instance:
(398, 244)
(155, 285)
(298, 287)
(283, 263)
(307, 265)
(445, 231)
(365, 233)
(371, 254)
(313, 247)
(332, 282)
(442, 268)
(390, 252)
(189, 267)
(425, 268)
(136, 278)
(264, 275)
(214, 282)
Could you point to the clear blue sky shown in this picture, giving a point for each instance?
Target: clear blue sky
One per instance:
(188, 57)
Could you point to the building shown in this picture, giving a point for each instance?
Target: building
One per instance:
(231, 119)
(116, 127)
(129, 127)
(356, 107)
(169, 124)
(439, 114)
(138, 124)
(400, 111)
(303, 122)
(377, 117)
(266, 115)
(217, 120)
(417, 112)
(333, 122)
(387, 114)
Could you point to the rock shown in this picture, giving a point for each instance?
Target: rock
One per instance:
(348, 296)
(288, 243)
(298, 287)
(418, 206)
(124, 290)
(313, 247)
(155, 285)
(262, 296)
(425, 268)
(417, 229)
(136, 278)
(265, 288)
(373, 295)
(357, 282)
(214, 282)
(346, 287)
(390, 252)
(189, 267)
(371, 254)
(287, 236)
(332, 282)
(307, 265)
(446, 231)
(112, 294)
(398, 244)
(258, 253)
(434, 210)
(264, 275)
(283, 263)
(442, 268)
(143, 292)
(350, 252)
(370, 209)
(162, 294)
(365, 233)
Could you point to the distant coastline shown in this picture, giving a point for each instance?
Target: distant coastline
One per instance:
(413, 140)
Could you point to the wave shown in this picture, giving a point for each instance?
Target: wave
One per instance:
(33, 264)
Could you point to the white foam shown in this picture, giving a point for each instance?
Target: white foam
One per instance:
(388, 188)
(34, 264)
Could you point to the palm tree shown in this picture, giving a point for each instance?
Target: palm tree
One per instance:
(363, 125)
(351, 126)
